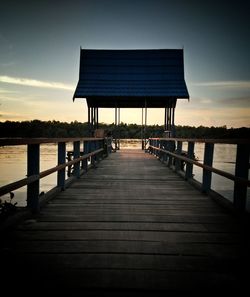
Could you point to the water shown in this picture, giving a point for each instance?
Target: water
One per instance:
(13, 160)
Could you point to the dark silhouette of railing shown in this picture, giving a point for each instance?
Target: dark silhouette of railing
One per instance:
(170, 151)
(93, 150)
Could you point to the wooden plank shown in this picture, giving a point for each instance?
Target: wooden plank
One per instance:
(114, 226)
(154, 262)
(127, 236)
(135, 226)
(213, 250)
(132, 225)
(53, 217)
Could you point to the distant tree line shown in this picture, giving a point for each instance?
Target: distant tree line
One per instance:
(37, 128)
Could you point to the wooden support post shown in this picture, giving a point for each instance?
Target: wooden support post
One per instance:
(165, 119)
(76, 155)
(92, 148)
(89, 121)
(85, 151)
(119, 123)
(208, 160)
(33, 168)
(178, 151)
(142, 130)
(173, 124)
(97, 118)
(61, 160)
(145, 124)
(96, 146)
(241, 170)
(168, 128)
(115, 134)
(171, 148)
(164, 146)
(190, 155)
(170, 121)
(92, 121)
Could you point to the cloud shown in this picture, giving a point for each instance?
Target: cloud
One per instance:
(36, 83)
(4, 91)
(224, 84)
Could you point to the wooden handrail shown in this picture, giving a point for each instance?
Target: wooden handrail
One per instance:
(62, 166)
(28, 180)
(24, 141)
(222, 141)
(230, 176)
(167, 147)
(92, 148)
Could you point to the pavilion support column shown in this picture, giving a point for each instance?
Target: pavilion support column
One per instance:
(116, 129)
(119, 122)
(168, 127)
(97, 118)
(167, 124)
(89, 121)
(142, 129)
(145, 124)
(165, 119)
(170, 119)
(173, 123)
(92, 120)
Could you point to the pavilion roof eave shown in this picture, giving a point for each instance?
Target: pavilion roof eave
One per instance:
(136, 102)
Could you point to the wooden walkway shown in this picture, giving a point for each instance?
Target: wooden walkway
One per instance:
(130, 225)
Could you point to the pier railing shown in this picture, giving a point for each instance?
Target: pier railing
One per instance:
(170, 151)
(86, 152)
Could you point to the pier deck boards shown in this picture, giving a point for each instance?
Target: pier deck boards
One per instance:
(129, 225)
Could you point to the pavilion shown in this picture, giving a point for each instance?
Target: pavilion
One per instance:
(132, 79)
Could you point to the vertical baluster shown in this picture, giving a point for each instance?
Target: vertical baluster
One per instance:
(164, 146)
(171, 148)
(241, 170)
(76, 155)
(85, 151)
(61, 160)
(33, 168)
(157, 145)
(151, 144)
(81, 154)
(178, 151)
(190, 155)
(208, 160)
(96, 146)
(92, 148)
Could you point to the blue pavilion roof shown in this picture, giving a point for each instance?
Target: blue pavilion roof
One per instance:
(125, 78)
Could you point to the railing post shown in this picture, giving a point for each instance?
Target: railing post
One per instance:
(150, 150)
(190, 155)
(208, 160)
(241, 170)
(106, 147)
(76, 155)
(157, 145)
(178, 151)
(164, 147)
(97, 156)
(92, 148)
(33, 168)
(81, 154)
(170, 148)
(61, 160)
(85, 151)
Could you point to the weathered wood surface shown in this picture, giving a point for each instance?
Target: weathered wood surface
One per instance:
(131, 226)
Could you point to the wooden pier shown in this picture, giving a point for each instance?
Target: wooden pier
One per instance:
(130, 225)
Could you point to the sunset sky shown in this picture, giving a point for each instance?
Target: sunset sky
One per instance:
(40, 51)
